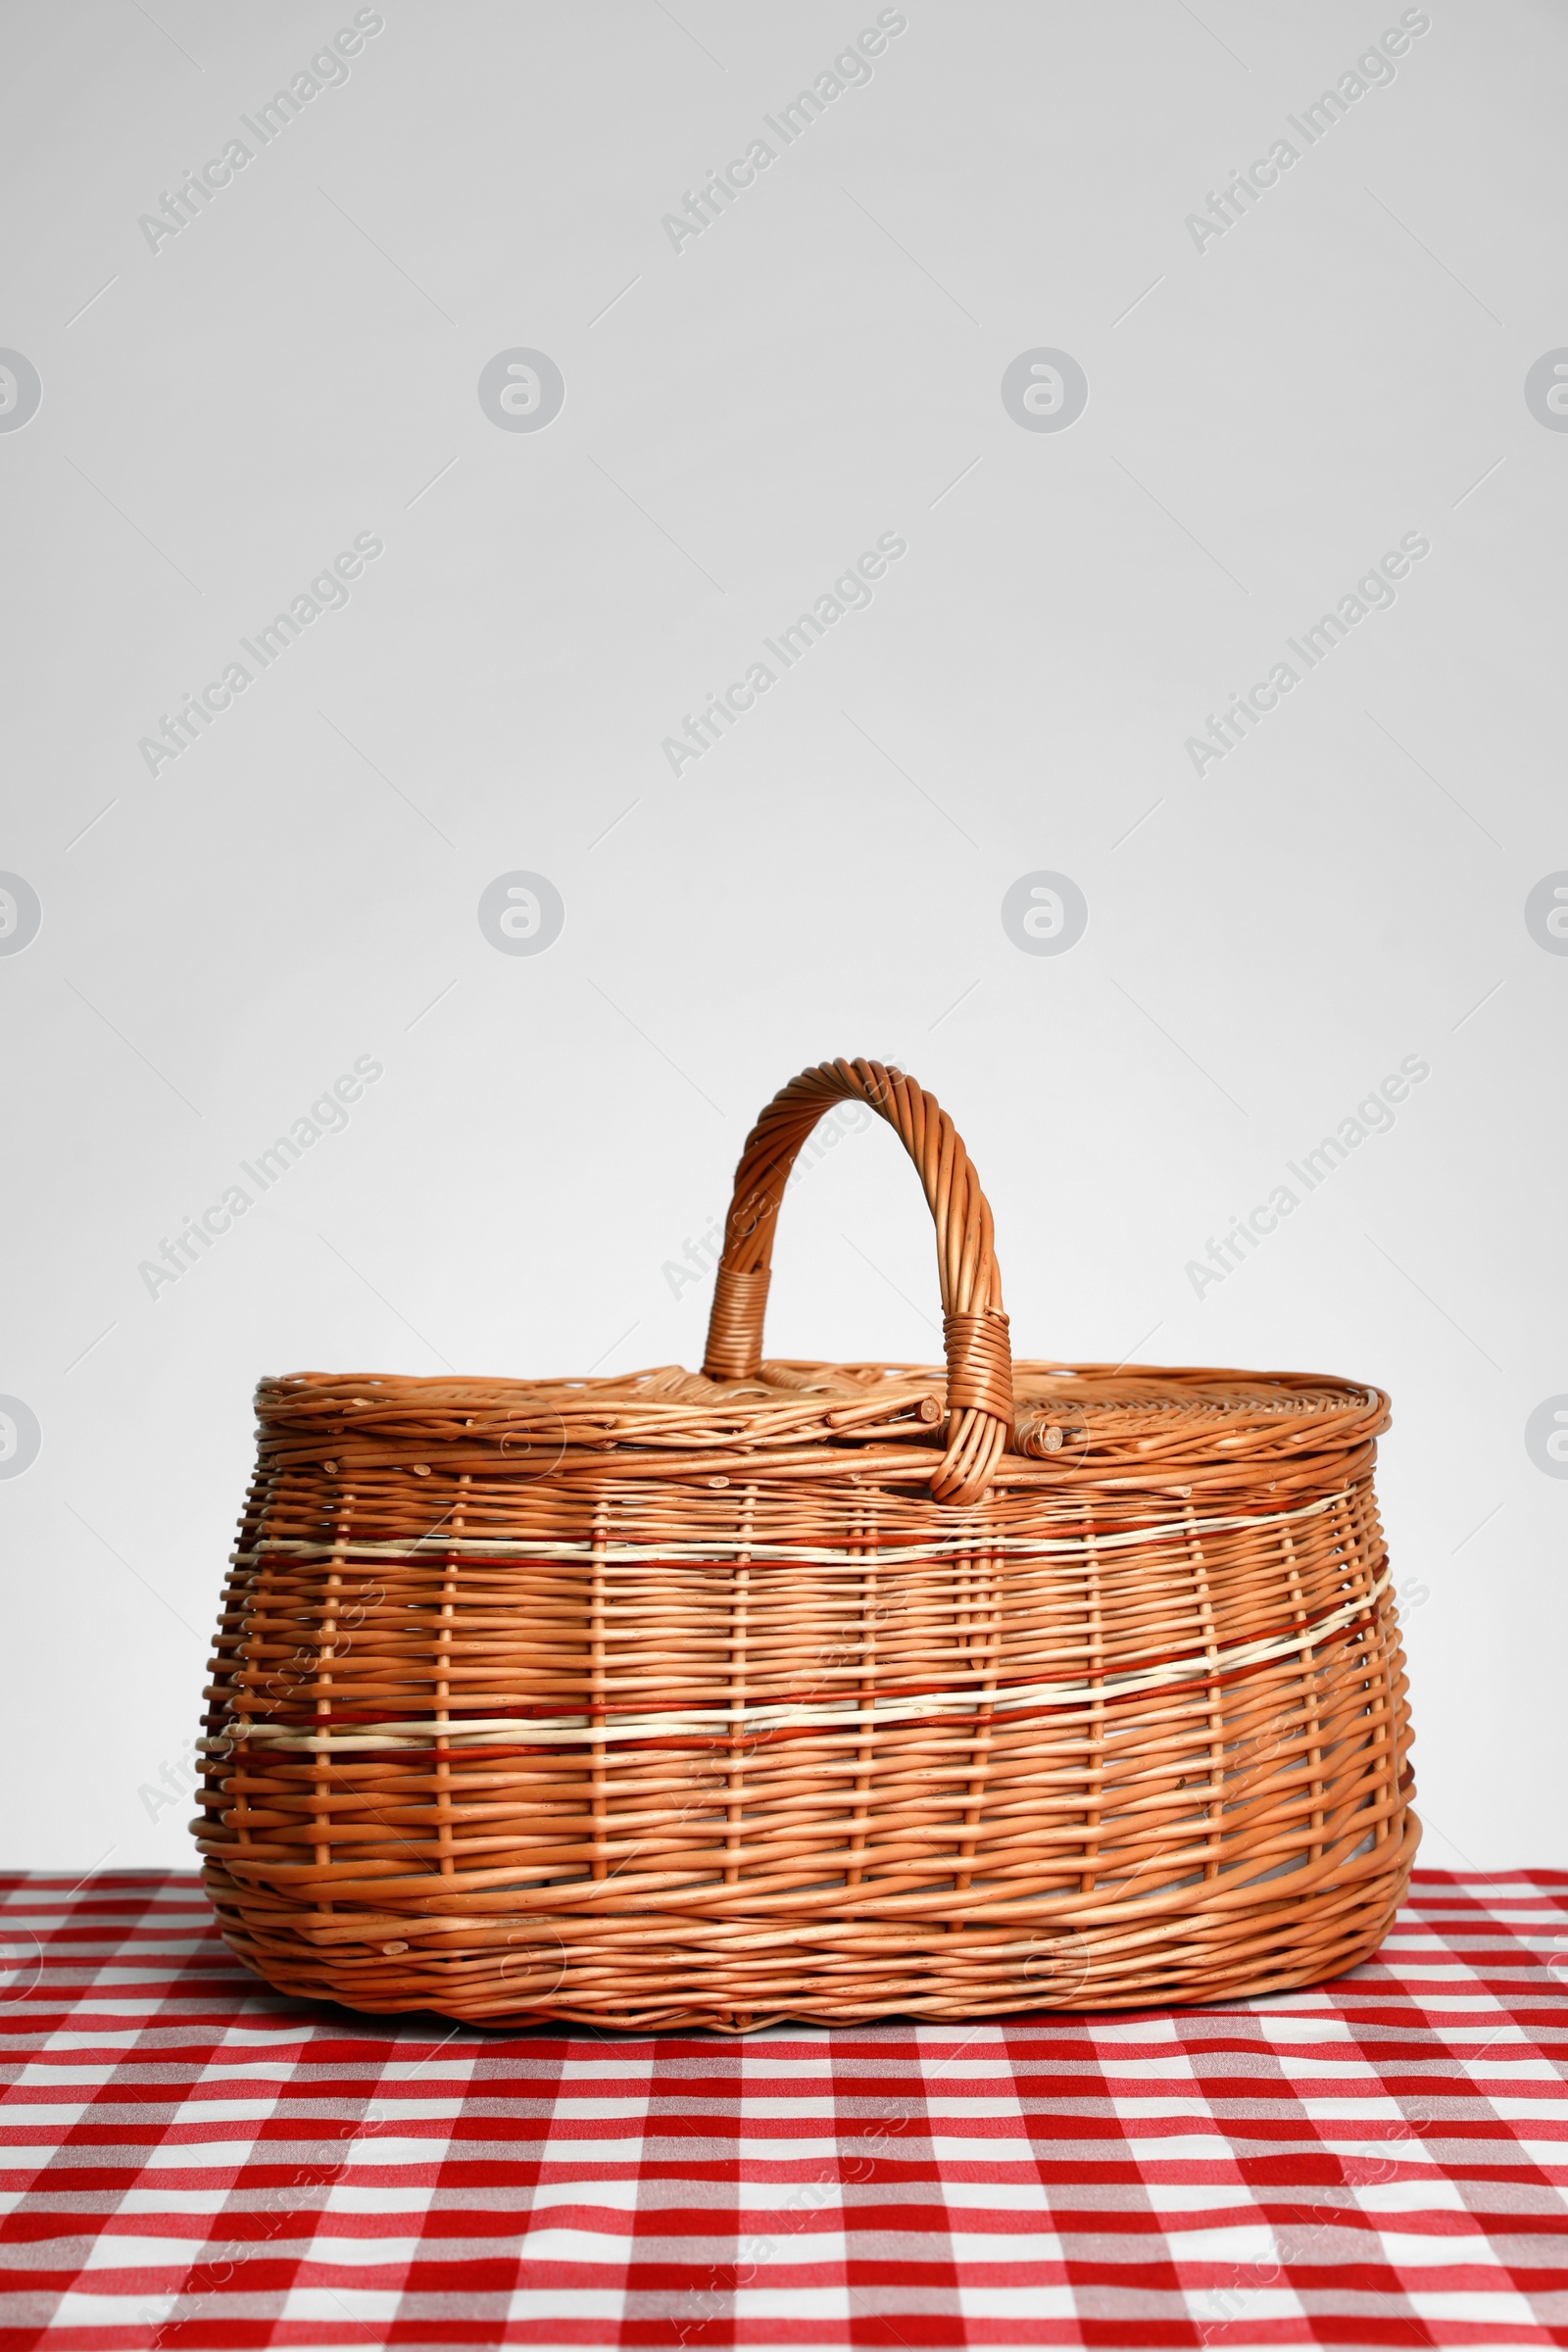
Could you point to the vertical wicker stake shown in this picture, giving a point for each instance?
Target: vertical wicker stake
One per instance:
(801, 1690)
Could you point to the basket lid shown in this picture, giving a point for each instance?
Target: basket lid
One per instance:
(1166, 1428)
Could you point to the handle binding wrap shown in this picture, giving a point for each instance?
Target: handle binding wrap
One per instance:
(735, 1324)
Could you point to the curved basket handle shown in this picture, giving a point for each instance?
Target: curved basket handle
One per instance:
(974, 1328)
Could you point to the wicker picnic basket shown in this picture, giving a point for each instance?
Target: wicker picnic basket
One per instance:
(829, 1692)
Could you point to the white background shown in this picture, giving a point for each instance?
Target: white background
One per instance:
(1266, 416)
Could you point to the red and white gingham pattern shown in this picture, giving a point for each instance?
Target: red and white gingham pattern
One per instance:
(190, 2160)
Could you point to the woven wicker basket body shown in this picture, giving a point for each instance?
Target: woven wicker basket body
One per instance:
(811, 1690)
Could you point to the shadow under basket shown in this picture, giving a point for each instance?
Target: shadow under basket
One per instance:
(830, 1691)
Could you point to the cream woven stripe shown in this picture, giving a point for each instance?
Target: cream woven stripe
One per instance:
(723, 1547)
(847, 1714)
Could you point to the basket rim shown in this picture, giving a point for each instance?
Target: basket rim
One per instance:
(1138, 1423)
(693, 1395)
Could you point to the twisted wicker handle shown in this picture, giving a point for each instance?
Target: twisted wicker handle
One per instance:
(974, 1327)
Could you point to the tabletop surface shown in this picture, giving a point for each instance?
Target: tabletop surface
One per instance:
(191, 2160)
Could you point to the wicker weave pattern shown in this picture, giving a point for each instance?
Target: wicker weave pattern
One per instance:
(683, 1699)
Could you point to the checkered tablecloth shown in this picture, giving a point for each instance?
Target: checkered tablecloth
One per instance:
(190, 2160)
